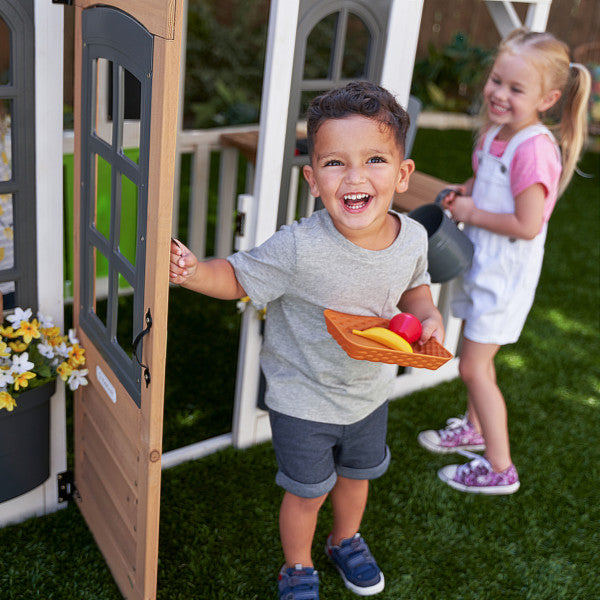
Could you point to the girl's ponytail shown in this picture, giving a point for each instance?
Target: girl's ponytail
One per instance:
(573, 124)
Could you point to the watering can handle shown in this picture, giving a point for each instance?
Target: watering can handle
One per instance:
(440, 197)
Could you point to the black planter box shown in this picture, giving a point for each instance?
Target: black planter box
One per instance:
(25, 443)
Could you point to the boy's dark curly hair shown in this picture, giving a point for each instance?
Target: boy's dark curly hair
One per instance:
(357, 98)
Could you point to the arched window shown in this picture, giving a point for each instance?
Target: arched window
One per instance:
(337, 42)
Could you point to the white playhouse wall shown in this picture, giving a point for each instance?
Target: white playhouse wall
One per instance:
(48, 22)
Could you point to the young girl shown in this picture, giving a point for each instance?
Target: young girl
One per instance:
(519, 172)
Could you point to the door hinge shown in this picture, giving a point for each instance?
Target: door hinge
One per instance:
(65, 2)
(66, 486)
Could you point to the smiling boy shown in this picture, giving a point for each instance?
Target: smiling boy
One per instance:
(328, 412)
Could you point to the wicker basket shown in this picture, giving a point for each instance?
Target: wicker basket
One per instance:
(589, 55)
(430, 355)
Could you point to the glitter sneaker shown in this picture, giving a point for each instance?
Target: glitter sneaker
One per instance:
(355, 563)
(478, 477)
(459, 434)
(299, 583)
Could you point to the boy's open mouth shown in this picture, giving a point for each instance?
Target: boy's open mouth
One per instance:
(356, 201)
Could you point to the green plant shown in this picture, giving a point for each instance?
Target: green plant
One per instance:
(32, 353)
(450, 78)
(226, 44)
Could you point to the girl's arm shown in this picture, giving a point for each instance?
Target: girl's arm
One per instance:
(525, 223)
(214, 277)
(418, 301)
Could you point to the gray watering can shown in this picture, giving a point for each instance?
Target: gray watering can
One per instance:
(450, 250)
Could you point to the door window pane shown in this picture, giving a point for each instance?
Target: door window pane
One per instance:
(103, 126)
(132, 109)
(125, 322)
(103, 198)
(100, 286)
(129, 207)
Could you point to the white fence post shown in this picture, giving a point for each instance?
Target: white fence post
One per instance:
(250, 423)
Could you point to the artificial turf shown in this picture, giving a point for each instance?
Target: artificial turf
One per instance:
(218, 528)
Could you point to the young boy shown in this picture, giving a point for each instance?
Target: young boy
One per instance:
(328, 412)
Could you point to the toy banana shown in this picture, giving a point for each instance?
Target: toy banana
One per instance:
(386, 337)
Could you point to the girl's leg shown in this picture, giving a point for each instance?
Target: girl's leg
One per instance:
(348, 502)
(297, 523)
(485, 399)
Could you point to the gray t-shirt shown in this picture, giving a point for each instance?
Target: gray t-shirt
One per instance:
(303, 269)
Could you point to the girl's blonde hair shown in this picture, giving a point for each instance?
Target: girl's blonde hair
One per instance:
(568, 116)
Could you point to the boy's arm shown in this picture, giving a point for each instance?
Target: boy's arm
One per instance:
(214, 277)
(419, 302)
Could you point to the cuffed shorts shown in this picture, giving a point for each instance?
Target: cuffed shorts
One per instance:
(311, 455)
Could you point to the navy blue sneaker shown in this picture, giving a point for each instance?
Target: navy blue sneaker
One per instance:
(355, 563)
(299, 583)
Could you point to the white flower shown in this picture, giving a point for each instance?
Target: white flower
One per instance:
(46, 350)
(72, 337)
(18, 316)
(61, 350)
(45, 321)
(6, 377)
(77, 378)
(21, 363)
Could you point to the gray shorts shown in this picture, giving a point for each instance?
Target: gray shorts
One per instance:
(311, 455)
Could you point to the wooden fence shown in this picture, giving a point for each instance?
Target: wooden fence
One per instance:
(574, 21)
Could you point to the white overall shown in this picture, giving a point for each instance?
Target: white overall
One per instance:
(495, 295)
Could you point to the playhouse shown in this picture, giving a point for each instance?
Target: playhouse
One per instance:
(131, 50)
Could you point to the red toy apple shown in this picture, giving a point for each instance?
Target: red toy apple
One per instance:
(406, 326)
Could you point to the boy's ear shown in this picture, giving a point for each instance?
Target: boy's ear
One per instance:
(309, 175)
(406, 168)
(549, 100)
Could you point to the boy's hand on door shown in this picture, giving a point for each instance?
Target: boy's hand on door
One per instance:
(182, 264)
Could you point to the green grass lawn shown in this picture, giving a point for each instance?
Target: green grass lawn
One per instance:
(219, 532)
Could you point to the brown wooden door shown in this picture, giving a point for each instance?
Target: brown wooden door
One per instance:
(127, 55)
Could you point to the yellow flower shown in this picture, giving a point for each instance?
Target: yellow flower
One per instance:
(51, 332)
(18, 346)
(7, 401)
(56, 340)
(22, 379)
(8, 332)
(64, 370)
(76, 356)
(3, 351)
(29, 331)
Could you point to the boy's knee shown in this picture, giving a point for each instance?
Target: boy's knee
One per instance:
(305, 504)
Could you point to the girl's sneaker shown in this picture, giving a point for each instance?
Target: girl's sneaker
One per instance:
(459, 434)
(299, 583)
(355, 563)
(478, 477)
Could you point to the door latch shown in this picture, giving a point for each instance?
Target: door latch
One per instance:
(136, 343)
